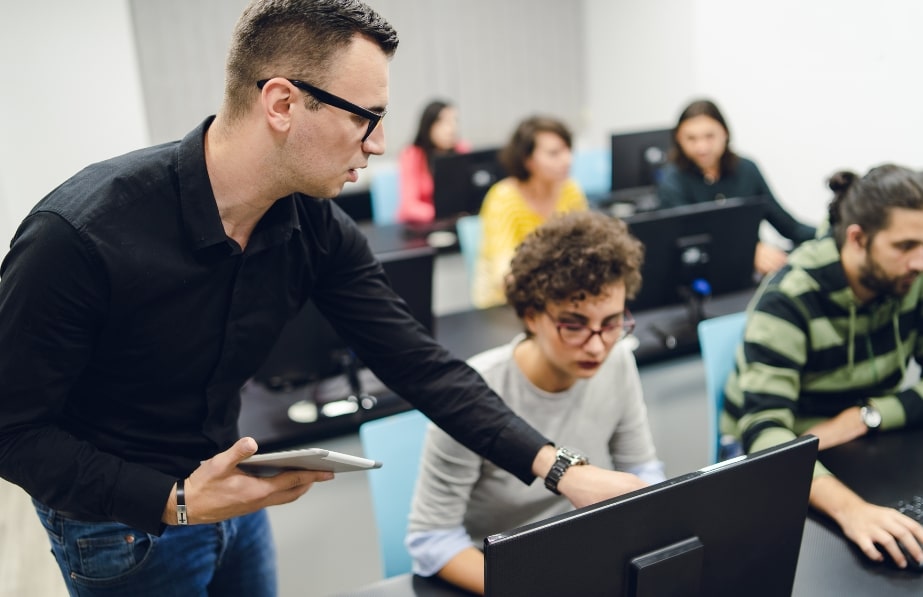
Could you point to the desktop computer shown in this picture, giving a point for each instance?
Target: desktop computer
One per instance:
(460, 181)
(730, 529)
(691, 253)
(637, 160)
(310, 351)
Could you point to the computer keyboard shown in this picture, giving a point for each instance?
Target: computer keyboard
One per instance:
(626, 202)
(912, 507)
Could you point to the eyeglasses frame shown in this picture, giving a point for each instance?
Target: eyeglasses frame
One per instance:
(627, 327)
(336, 101)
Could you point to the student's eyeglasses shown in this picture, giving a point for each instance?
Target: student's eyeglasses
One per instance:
(336, 101)
(577, 334)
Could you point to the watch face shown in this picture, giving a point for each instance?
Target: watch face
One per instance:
(871, 417)
(572, 456)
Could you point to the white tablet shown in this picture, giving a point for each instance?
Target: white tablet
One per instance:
(312, 459)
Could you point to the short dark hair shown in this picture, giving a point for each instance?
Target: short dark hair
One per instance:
(573, 256)
(702, 107)
(296, 39)
(868, 201)
(517, 150)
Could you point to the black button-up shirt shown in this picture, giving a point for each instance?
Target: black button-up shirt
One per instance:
(129, 321)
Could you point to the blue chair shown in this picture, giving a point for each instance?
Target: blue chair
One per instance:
(468, 229)
(718, 341)
(385, 192)
(397, 441)
(592, 169)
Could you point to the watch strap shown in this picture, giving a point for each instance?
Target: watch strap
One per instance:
(564, 459)
(554, 475)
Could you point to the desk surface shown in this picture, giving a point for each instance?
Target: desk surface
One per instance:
(881, 469)
(829, 564)
(387, 238)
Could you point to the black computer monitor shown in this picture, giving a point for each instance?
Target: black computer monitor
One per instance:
(356, 204)
(712, 242)
(733, 529)
(637, 158)
(309, 350)
(460, 181)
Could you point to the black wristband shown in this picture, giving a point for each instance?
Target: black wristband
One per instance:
(181, 503)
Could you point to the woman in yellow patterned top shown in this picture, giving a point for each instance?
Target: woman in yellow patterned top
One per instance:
(537, 159)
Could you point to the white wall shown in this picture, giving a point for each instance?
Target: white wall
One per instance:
(636, 75)
(71, 96)
(808, 88)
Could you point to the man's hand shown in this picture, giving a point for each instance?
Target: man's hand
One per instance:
(218, 490)
(868, 525)
(840, 429)
(588, 484)
(768, 258)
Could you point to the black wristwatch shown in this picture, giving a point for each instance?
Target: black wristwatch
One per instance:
(871, 416)
(565, 458)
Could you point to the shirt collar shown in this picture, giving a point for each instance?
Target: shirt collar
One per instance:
(199, 208)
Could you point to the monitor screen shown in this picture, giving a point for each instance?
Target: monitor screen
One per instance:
(638, 157)
(460, 181)
(309, 350)
(713, 241)
(733, 528)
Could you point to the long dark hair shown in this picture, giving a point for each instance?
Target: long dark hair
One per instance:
(428, 118)
(702, 107)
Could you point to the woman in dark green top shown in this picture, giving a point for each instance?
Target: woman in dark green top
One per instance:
(703, 168)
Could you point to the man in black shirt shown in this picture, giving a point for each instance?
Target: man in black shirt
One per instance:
(139, 295)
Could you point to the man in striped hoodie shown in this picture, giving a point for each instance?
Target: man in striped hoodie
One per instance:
(828, 341)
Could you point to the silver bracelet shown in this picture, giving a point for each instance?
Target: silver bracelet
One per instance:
(181, 503)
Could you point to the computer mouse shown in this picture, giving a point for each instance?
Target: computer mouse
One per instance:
(912, 564)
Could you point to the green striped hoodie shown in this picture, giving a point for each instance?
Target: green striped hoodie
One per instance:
(812, 350)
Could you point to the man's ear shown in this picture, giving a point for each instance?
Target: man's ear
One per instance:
(856, 235)
(277, 98)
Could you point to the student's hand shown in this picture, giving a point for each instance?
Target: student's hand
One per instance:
(868, 525)
(768, 258)
(588, 484)
(218, 490)
(840, 429)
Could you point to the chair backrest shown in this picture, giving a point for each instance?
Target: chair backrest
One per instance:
(718, 341)
(397, 441)
(385, 191)
(468, 229)
(592, 169)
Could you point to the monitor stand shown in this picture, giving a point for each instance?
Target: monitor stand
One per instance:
(672, 570)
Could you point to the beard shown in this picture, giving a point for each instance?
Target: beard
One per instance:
(874, 277)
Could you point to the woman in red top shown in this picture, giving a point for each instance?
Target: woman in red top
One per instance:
(436, 135)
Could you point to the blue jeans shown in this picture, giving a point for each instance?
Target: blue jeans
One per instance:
(109, 559)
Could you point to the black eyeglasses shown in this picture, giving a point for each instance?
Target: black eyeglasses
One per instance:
(338, 102)
(578, 334)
